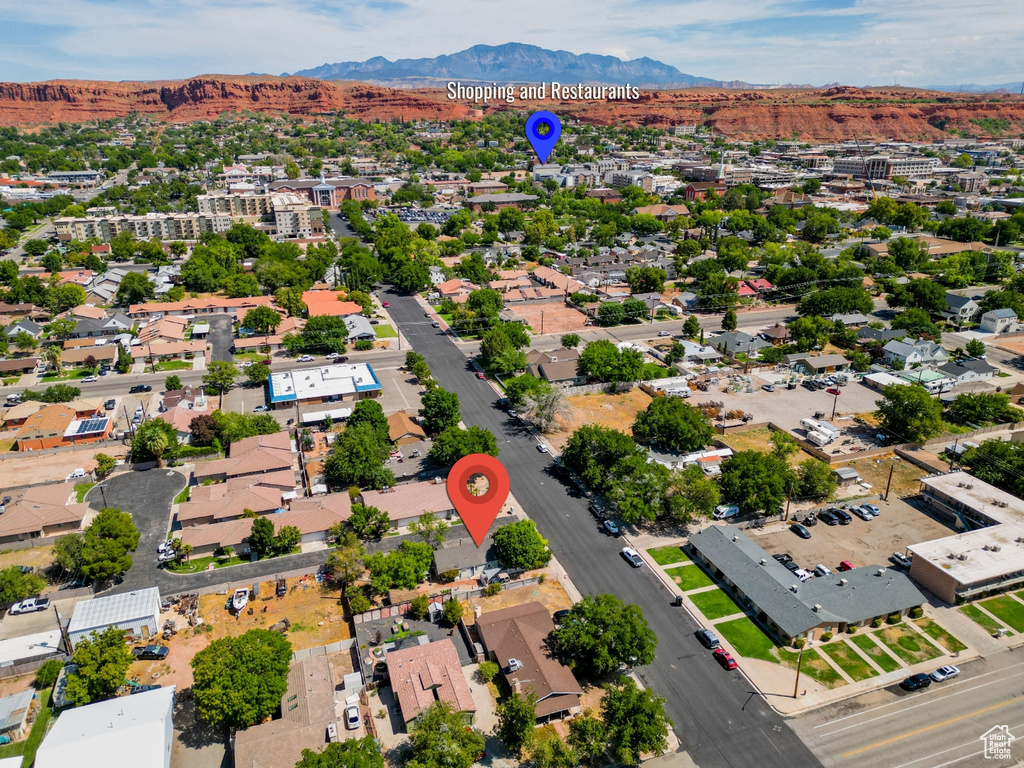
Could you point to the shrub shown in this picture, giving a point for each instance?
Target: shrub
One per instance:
(826, 636)
(359, 603)
(492, 589)
(489, 670)
(447, 577)
(852, 629)
(47, 674)
(876, 623)
(452, 612)
(916, 613)
(363, 345)
(894, 618)
(799, 643)
(419, 607)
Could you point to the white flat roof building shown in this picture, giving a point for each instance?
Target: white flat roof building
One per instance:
(126, 732)
(137, 612)
(325, 384)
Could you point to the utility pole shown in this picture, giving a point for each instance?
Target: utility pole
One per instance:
(796, 683)
(789, 499)
(835, 402)
(63, 631)
(888, 483)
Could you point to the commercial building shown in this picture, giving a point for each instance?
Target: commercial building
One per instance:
(517, 639)
(790, 609)
(56, 425)
(986, 554)
(423, 674)
(326, 384)
(126, 732)
(327, 193)
(500, 200)
(885, 167)
(137, 613)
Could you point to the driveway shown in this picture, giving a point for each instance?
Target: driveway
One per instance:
(220, 338)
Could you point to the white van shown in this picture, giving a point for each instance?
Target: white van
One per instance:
(725, 511)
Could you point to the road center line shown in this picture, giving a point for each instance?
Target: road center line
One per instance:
(970, 743)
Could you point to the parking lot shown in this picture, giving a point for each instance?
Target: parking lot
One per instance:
(862, 542)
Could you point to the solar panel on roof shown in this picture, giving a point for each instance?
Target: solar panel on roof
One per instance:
(91, 425)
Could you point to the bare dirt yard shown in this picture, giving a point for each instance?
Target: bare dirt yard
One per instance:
(550, 317)
(616, 411)
(551, 594)
(758, 440)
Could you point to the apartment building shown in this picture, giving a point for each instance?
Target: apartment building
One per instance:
(166, 226)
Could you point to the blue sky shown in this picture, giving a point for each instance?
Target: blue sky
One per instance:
(856, 42)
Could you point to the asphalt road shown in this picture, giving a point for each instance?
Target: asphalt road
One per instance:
(719, 717)
(939, 726)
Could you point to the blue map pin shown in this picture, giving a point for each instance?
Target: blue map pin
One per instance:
(543, 130)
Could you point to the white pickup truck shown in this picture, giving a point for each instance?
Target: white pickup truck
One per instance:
(30, 605)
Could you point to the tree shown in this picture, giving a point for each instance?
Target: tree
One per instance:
(455, 442)
(107, 544)
(104, 464)
(261, 537)
(61, 328)
(172, 383)
(401, 568)
(153, 440)
(290, 300)
(262, 320)
(815, 480)
(440, 411)
(517, 721)
(520, 546)
(101, 662)
(592, 451)
(452, 612)
(357, 458)
(694, 497)
(346, 561)
(691, 327)
(67, 552)
(287, 539)
(47, 674)
(982, 408)
(257, 374)
(673, 424)
(635, 721)
(546, 407)
(35, 247)
(368, 522)
(232, 427)
(25, 341)
(353, 753)
(239, 681)
(15, 585)
(756, 481)
(783, 443)
(519, 388)
(975, 348)
(205, 430)
(370, 412)
(909, 413)
(601, 634)
(916, 322)
(499, 353)
(440, 739)
(134, 288)
(588, 737)
(220, 377)
(837, 300)
(570, 340)
(729, 322)
(645, 279)
(431, 529)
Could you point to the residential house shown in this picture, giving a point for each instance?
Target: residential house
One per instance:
(158, 351)
(776, 334)
(966, 371)
(250, 456)
(517, 638)
(14, 714)
(187, 397)
(866, 335)
(760, 285)
(733, 343)
(999, 321)
(423, 674)
(308, 713)
(464, 556)
(124, 732)
(167, 328)
(229, 500)
(180, 417)
(662, 212)
(41, 511)
(329, 303)
(325, 384)
(919, 352)
(359, 328)
(850, 319)
(18, 365)
(455, 288)
(32, 328)
(406, 501)
(960, 309)
(137, 613)
(76, 357)
(499, 200)
(56, 425)
(105, 327)
(686, 300)
(815, 364)
(29, 311)
(403, 429)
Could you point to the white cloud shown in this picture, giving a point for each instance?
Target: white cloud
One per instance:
(816, 41)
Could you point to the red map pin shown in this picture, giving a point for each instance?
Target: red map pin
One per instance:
(478, 512)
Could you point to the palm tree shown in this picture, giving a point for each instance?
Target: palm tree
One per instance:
(154, 441)
(53, 357)
(185, 550)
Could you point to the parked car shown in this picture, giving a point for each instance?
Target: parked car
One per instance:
(862, 513)
(875, 511)
(900, 559)
(724, 511)
(596, 509)
(481, 375)
(150, 652)
(385, 304)
(844, 517)
(822, 570)
(109, 405)
(352, 717)
(80, 472)
(845, 565)
(664, 333)
(783, 558)
(558, 616)
(138, 388)
(834, 391)
(803, 574)
(707, 638)
(435, 324)
(810, 520)
(30, 605)
(260, 409)
(828, 518)
(722, 657)
(166, 556)
(916, 682)
(768, 387)
(143, 688)
(305, 359)
(791, 566)
(25, 568)
(611, 527)
(90, 379)
(542, 448)
(632, 557)
(800, 531)
(942, 674)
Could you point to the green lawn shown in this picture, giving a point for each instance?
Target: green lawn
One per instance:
(941, 636)
(253, 356)
(847, 658)
(879, 656)
(198, 564)
(982, 619)
(81, 489)
(10, 381)
(813, 665)
(715, 604)
(1007, 610)
(27, 748)
(182, 497)
(906, 644)
(689, 577)
(748, 639)
(174, 365)
(76, 373)
(385, 332)
(668, 555)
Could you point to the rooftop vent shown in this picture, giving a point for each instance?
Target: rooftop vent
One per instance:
(792, 587)
(881, 572)
(735, 537)
(817, 608)
(763, 561)
(995, 548)
(514, 665)
(843, 582)
(962, 557)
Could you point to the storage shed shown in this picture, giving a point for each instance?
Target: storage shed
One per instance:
(137, 613)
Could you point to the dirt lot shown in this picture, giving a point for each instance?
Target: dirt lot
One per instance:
(29, 469)
(861, 542)
(758, 440)
(38, 557)
(615, 411)
(551, 594)
(875, 472)
(557, 318)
